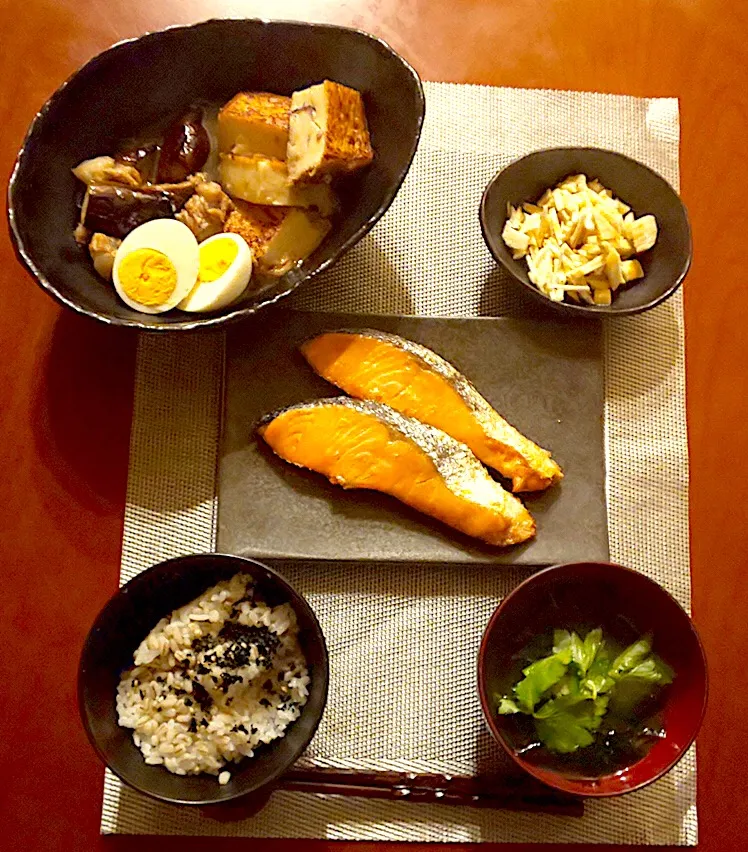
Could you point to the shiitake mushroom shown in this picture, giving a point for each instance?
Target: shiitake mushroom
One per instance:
(185, 148)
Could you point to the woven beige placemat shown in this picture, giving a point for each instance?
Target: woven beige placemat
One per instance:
(417, 710)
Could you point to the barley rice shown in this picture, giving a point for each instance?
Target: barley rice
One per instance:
(214, 680)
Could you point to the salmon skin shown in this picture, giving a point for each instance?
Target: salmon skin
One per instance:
(363, 444)
(385, 368)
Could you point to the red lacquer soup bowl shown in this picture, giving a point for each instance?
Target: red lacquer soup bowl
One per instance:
(625, 604)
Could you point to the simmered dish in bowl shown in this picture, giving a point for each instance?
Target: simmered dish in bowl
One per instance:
(239, 197)
(153, 90)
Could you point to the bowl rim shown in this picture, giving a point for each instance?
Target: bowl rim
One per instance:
(226, 558)
(488, 715)
(587, 311)
(205, 322)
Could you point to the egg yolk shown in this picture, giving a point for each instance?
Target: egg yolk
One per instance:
(147, 277)
(215, 258)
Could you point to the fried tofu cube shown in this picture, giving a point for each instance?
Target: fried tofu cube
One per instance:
(256, 224)
(280, 237)
(328, 133)
(263, 180)
(255, 123)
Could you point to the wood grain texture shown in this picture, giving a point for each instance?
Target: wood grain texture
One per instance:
(66, 384)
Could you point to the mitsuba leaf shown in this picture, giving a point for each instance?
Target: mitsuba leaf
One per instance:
(561, 735)
(561, 640)
(597, 680)
(562, 645)
(565, 727)
(507, 707)
(568, 687)
(638, 662)
(538, 677)
(592, 643)
(651, 670)
(630, 657)
(581, 652)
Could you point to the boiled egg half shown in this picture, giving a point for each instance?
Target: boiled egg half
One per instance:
(156, 266)
(225, 270)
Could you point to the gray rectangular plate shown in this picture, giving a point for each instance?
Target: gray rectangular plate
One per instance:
(544, 378)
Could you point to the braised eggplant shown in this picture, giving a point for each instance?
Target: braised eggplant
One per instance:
(116, 210)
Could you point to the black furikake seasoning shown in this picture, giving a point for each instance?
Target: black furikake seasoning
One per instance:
(227, 679)
(218, 656)
(204, 643)
(241, 638)
(202, 696)
(215, 658)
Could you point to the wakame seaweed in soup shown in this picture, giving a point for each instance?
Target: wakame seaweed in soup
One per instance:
(587, 704)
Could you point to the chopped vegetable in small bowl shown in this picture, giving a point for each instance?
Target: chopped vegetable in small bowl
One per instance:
(587, 232)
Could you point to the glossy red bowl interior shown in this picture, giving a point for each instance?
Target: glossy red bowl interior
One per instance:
(598, 594)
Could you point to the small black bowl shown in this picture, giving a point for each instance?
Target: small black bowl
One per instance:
(665, 265)
(128, 618)
(138, 86)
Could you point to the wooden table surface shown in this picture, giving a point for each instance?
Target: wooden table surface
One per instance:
(66, 383)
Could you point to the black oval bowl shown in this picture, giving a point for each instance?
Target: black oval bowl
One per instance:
(138, 86)
(128, 618)
(665, 265)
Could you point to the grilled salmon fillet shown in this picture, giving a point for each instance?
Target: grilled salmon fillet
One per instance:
(419, 383)
(362, 444)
